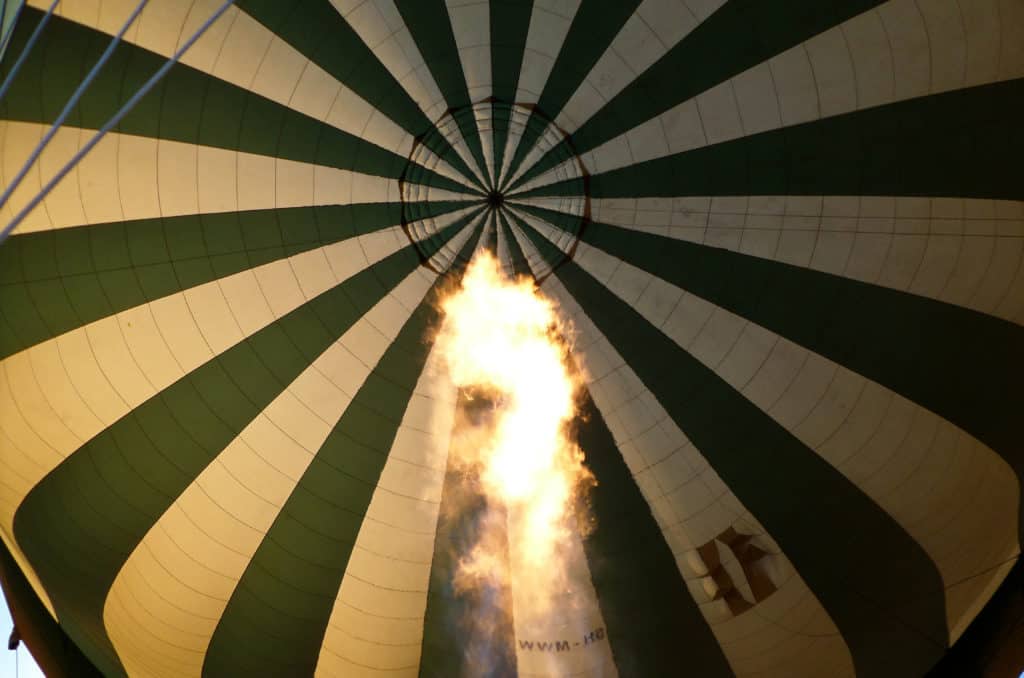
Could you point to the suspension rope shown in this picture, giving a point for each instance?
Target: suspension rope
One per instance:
(70, 105)
(110, 124)
(28, 48)
(3, 15)
(6, 38)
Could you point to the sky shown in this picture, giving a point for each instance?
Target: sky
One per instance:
(25, 666)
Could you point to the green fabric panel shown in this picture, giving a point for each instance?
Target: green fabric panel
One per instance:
(9, 10)
(453, 644)
(55, 281)
(275, 621)
(510, 26)
(187, 106)
(739, 36)
(963, 365)
(653, 623)
(489, 240)
(430, 245)
(515, 253)
(431, 29)
(877, 584)
(51, 648)
(966, 143)
(645, 624)
(593, 29)
(80, 524)
(317, 30)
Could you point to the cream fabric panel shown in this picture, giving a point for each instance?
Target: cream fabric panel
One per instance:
(949, 491)
(961, 251)
(654, 28)
(487, 234)
(789, 634)
(380, 25)
(166, 601)
(131, 177)
(533, 257)
(241, 51)
(549, 24)
(57, 395)
(502, 250)
(574, 614)
(376, 625)
(471, 25)
(444, 258)
(692, 506)
(899, 50)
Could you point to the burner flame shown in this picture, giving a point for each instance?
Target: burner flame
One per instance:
(504, 346)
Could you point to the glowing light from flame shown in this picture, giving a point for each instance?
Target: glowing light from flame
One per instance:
(503, 340)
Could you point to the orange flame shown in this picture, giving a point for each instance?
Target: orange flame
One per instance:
(504, 339)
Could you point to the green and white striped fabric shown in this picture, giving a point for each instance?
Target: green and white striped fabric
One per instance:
(789, 235)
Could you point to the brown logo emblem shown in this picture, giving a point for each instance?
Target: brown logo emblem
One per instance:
(747, 555)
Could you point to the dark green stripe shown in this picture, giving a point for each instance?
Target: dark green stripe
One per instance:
(967, 143)
(648, 611)
(490, 240)
(875, 581)
(436, 243)
(317, 30)
(455, 637)
(739, 36)
(965, 366)
(595, 25)
(187, 106)
(275, 621)
(51, 648)
(653, 622)
(510, 26)
(519, 264)
(52, 282)
(431, 29)
(80, 524)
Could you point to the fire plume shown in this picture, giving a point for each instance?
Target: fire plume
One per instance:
(505, 348)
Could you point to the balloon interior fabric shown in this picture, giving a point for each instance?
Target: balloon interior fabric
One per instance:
(788, 236)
